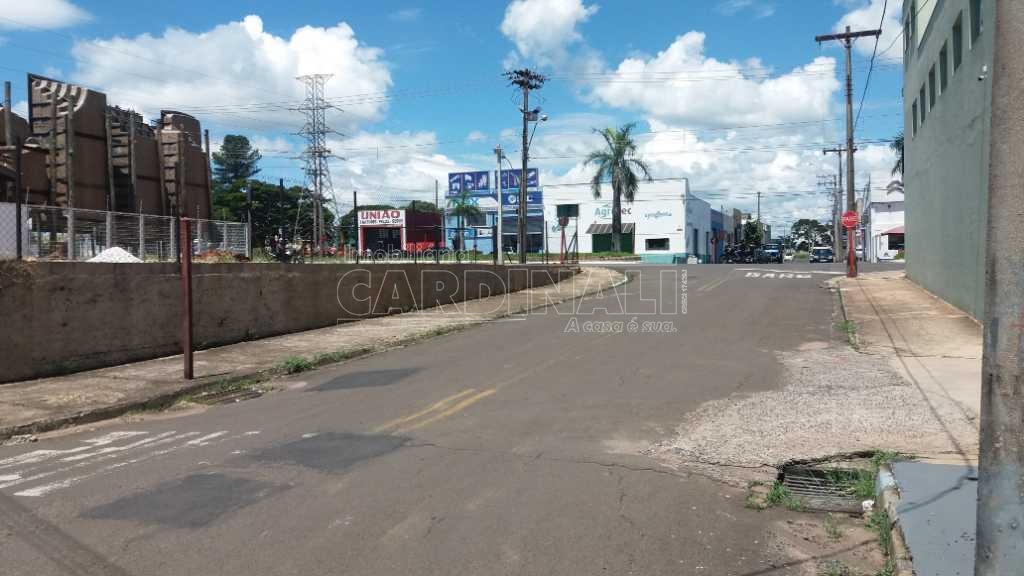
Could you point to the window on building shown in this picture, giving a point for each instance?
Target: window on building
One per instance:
(915, 117)
(924, 105)
(958, 41)
(976, 23)
(656, 244)
(944, 67)
(931, 87)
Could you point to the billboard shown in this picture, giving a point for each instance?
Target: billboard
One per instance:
(510, 178)
(379, 218)
(468, 182)
(512, 198)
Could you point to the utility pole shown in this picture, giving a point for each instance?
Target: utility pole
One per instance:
(526, 80)
(315, 155)
(847, 38)
(837, 203)
(501, 201)
(999, 547)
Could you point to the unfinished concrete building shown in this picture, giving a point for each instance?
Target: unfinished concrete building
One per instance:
(80, 152)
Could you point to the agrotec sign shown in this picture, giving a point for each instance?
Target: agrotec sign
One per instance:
(389, 217)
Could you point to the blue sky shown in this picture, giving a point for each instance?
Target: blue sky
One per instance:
(734, 94)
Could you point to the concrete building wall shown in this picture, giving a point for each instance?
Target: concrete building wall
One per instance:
(946, 176)
(69, 316)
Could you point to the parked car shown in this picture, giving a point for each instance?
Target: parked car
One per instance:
(789, 255)
(821, 254)
(771, 254)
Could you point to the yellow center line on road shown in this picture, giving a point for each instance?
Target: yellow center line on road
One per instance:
(446, 413)
(439, 405)
(712, 285)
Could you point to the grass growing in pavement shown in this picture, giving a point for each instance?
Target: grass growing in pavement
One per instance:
(295, 365)
(779, 495)
(880, 523)
(833, 568)
(832, 527)
(850, 328)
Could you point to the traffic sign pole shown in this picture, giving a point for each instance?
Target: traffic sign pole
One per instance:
(850, 221)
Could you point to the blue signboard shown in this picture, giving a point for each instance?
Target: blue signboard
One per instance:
(512, 198)
(468, 181)
(510, 178)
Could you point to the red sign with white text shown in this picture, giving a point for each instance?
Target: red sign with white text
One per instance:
(850, 219)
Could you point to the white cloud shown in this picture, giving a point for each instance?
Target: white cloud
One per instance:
(865, 15)
(40, 14)
(218, 74)
(20, 108)
(405, 15)
(541, 29)
(728, 167)
(758, 8)
(476, 136)
(389, 167)
(683, 85)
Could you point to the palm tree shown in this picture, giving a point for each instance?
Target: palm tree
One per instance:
(618, 163)
(897, 146)
(463, 207)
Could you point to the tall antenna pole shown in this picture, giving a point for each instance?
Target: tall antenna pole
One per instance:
(526, 80)
(318, 173)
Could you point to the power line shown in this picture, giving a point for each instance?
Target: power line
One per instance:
(874, 51)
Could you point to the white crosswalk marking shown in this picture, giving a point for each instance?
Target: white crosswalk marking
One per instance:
(61, 469)
(43, 455)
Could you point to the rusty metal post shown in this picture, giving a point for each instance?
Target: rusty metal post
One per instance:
(355, 214)
(185, 244)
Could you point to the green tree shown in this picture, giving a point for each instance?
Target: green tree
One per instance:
(463, 207)
(618, 163)
(811, 232)
(897, 146)
(236, 161)
(421, 207)
(753, 234)
(276, 210)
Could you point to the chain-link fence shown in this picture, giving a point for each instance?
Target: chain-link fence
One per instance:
(54, 233)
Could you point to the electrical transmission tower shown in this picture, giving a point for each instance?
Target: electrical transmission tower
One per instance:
(315, 130)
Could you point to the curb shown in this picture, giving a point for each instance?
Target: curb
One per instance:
(888, 499)
(201, 385)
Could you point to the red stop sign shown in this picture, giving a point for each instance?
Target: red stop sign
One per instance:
(850, 219)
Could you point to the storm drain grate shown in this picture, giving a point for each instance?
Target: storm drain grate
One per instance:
(829, 489)
(229, 396)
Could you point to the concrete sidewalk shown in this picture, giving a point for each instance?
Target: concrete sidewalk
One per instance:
(934, 346)
(50, 403)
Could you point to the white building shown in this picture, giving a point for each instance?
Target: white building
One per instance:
(665, 223)
(884, 224)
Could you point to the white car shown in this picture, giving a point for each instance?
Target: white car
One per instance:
(787, 256)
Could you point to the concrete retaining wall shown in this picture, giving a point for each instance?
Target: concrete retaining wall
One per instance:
(61, 317)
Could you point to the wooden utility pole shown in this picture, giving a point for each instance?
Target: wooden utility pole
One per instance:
(999, 547)
(837, 204)
(847, 38)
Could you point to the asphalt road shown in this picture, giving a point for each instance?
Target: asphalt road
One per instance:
(516, 447)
